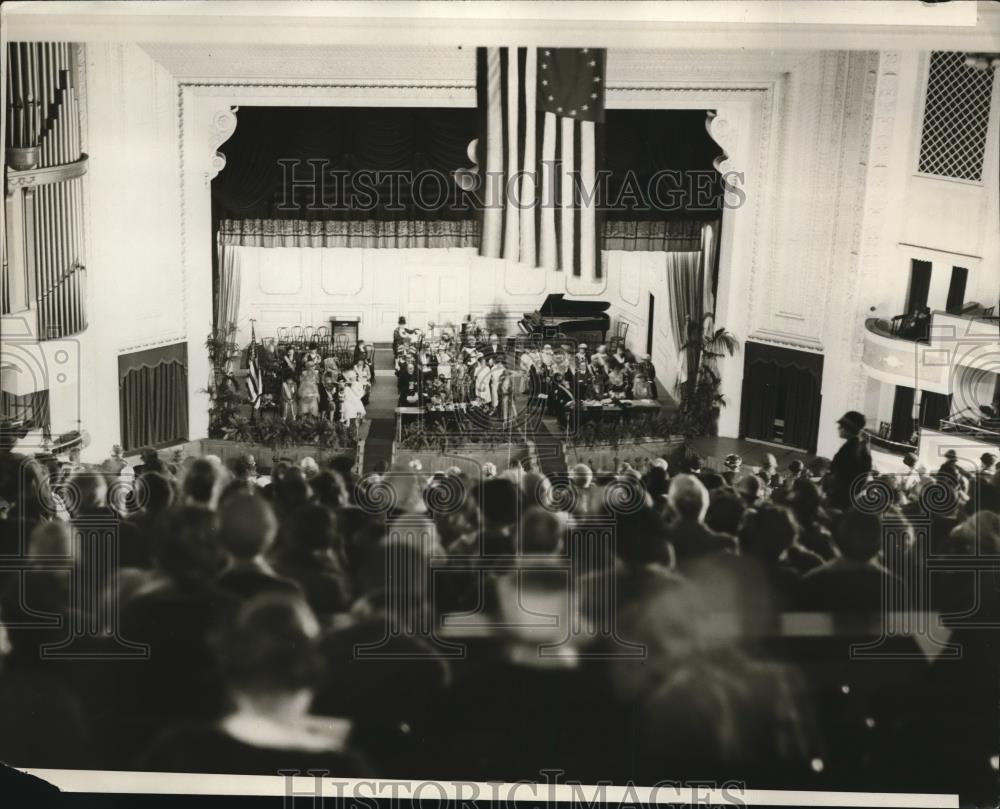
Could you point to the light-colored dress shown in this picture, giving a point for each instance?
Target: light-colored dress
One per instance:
(353, 406)
(483, 377)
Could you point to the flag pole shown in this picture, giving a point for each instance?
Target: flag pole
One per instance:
(253, 359)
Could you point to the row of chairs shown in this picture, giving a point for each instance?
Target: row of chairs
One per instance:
(304, 336)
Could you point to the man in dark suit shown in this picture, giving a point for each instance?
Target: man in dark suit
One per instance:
(852, 461)
(247, 531)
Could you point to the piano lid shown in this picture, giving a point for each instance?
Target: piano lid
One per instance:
(556, 305)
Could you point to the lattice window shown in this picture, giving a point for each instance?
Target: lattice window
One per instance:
(956, 116)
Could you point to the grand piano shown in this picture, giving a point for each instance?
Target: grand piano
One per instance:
(584, 321)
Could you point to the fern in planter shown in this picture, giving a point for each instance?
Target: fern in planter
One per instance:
(239, 429)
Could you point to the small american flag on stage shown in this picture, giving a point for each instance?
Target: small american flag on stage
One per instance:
(253, 372)
(540, 109)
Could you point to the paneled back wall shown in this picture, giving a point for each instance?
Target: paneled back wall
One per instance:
(292, 286)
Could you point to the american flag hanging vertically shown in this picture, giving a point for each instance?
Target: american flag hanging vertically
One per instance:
(253, 372)
(540, 109)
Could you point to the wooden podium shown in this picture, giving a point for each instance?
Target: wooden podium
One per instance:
(344, 325)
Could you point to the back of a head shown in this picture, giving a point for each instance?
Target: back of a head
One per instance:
(979, 533)
(536, 490)
(713, 481)
(657, 479)
(312, 527)
(581, 476)
(291, 489)
(688, 497)
(769, 531)
(641, 537)
(154, 493)
(88, 491)
(201, 481)
(726, 512)
(248, 525)
(52, 538)
(859, 535)
(185, 544)
(542, 531)
(750, 488)
(806, 497)
(269, 647)
(500, 501)
(329, 488)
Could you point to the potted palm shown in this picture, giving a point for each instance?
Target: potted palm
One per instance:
(701, 396)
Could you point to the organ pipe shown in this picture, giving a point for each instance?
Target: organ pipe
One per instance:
(43, 140)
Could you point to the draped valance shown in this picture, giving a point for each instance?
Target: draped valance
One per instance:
(153, 396)
(367, 233)
(151, 358)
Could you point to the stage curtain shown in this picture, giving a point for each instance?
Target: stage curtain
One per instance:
(802, 405)
(761, 396)
(685, 286)
(228, 299)
(933, 408)
(368, 233)
(709, 249)
(153, 396)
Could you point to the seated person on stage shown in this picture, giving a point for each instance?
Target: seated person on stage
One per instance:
(616, 379)
(548, 358)
(642, 388)
(563, 401)
(646, 368)
(468, 352)
(409, 386)
(328, 396)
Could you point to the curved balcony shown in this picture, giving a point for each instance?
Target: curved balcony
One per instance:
(897, 360)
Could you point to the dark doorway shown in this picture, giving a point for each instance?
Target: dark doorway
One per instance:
(649, 326)
(901, 429)
(920, 285)
(781, 395)
(933, 408)
(956, 290)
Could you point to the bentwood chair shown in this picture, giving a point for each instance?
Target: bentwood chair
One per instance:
(308, 335)
(284, 335)
(323, 338)
(342, 349)
(620, 338)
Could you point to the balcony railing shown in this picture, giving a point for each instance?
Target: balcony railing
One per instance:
(985, 429)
